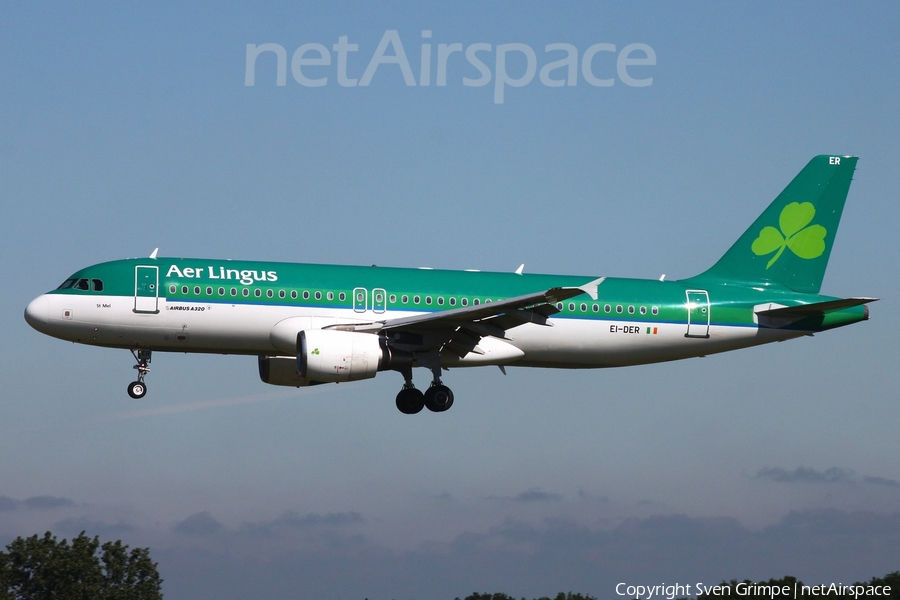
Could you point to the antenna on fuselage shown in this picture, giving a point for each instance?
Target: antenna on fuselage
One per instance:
(520, 269)
(153, 254)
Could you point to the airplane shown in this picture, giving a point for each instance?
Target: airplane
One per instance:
(311, 324)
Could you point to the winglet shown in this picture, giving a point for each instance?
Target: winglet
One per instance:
(590, 288)
(153, 254)
(520, 269)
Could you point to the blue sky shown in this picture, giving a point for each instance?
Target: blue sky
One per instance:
(126, 128)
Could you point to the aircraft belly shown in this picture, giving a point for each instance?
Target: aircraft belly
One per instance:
(576, 343)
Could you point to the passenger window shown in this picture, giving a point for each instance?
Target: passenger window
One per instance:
(330, 295)
(452, 301)
(270, 293)
(306, 295)
(196, 290)
(173, 289)
(440, 300)
(97, 285)
(234, 291)
(184, 290)
(342, 296)
(607, 308)
(630, 310)
(487, 301)
(293, 294)
(465, 301)
(596, 308)
(619, 308)
(246, 292)
(572, 306)
(475, 302)
(66, 284)
(318, 295)
(393, 299)
(404, 299)
(257, 292)
(281, 294)
(221, 291)
(209, 291)
(643, 310)
(583, 307)
(82, 285)
(559, 305)
(427, 299)
(655, 310)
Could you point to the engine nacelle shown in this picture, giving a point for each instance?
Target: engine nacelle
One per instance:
(332, 355)
(282, 370)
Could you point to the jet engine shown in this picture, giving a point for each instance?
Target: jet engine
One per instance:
(282, 370)
(333, 355)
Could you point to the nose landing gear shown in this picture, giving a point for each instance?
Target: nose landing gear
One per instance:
(137, 389)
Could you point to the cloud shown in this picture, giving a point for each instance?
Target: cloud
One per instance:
(831, 475)
(291, 522)
(200, 524)
(34, 503)
(46, 502)
(75, 525)
(806, 475)
(544, 557)
(588, 497)
(534, 494)
(881, 481)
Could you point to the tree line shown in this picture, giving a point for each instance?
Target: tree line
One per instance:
(39, 568)
(42, 567)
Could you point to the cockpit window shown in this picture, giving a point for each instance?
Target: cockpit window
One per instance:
(82, 284)
(67, 284)
(97, 285)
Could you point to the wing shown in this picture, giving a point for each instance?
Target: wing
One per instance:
(460, 329)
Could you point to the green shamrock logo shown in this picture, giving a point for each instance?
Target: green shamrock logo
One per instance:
(805, 242)
(315, 351)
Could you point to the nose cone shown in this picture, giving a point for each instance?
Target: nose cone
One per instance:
(37, 313)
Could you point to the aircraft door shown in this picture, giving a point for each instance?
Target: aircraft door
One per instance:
(697, 314)
(146, 289)
(360, 300)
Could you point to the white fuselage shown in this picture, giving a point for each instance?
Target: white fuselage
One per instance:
(225, 328)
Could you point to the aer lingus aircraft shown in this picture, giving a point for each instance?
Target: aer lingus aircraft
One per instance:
(310, 324)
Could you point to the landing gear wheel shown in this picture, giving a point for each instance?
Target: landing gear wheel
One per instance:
(137, 389)
(438, 398)
(410, 401)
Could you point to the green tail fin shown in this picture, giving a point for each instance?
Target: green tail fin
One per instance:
(789, 244)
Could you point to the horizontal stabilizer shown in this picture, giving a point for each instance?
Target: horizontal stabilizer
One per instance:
(813, 310)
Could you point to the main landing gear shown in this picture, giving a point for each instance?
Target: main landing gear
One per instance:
(137, 389)
(437, 398)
